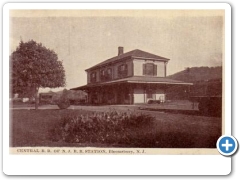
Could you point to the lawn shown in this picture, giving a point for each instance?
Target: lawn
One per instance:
(170, 130)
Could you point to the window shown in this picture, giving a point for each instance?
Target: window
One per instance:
(122, 70)
(150, 69)
(102, 72)
(102, 75)
(109, 74)
(106, 74)
(93, 77)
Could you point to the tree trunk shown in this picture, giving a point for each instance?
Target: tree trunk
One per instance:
(36, 98)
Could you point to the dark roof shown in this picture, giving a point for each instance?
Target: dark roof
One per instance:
(137, 80)
(134, 53)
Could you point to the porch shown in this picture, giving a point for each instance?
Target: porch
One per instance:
(132, 90)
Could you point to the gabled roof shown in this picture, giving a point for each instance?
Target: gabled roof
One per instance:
(134, 53)
(136, 80)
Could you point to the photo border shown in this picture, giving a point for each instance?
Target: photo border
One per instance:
(139, 162)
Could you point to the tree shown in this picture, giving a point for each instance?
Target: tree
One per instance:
(63, 101)
(34, 66)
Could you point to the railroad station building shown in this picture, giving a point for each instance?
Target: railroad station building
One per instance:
(133, 77)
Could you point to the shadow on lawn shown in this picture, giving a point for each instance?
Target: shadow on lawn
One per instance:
(149, 140)
(174, 140)
(185, 112)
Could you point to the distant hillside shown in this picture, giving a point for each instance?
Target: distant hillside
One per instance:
(207, 81)
(198, 74)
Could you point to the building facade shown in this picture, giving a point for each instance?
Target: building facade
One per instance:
(128, 78)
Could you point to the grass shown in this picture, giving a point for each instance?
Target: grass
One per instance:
(31, 128)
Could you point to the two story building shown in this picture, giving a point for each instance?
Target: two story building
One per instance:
(128, 78)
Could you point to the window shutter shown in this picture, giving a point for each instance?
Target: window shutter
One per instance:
(126, 69)
(119, 71)
(144, 69)
(155, 70)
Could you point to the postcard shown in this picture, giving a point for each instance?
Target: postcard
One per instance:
(142, 81)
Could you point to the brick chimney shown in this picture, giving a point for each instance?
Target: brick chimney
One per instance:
(120, 51)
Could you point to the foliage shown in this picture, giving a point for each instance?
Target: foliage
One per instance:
(103, 127)
(34, 66)
(63, 102)
(16, 101)
(207, 81)
(194, 74)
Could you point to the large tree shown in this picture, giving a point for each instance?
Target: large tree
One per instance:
(34, 66)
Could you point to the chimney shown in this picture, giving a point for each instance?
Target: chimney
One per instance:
(120, 51)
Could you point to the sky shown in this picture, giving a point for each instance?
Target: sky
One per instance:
(83, 38)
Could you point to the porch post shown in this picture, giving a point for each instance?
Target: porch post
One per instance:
(89, 97)
(144, 94)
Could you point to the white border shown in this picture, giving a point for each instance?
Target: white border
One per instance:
(115, 165)
(116, 6)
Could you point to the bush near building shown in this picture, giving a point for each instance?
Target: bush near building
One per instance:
(74, 97)
(103, 127)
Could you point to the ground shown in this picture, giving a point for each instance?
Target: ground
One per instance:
(176, 126)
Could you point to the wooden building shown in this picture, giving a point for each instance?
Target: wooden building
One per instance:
(128, 78)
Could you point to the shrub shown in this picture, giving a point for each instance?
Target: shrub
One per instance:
(63, 102)
(103, 127)
(154, 102)
(77, 101)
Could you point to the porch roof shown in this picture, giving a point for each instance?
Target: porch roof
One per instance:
(135, 80)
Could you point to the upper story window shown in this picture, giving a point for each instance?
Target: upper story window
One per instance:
(122, 70)
(102, 74)
(93, 77)
(150, 69)
(106, 74)
(109, 73)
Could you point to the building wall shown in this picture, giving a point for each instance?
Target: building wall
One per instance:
(138, 67)
(97, 75)
(135, 68)
(138, 95)
(88, 77)
(160, 69)
(129, 65)
(114, 70)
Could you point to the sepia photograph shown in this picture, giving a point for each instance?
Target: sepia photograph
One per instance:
(111, 81)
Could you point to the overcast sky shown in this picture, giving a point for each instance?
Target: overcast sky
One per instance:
(82, 39)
